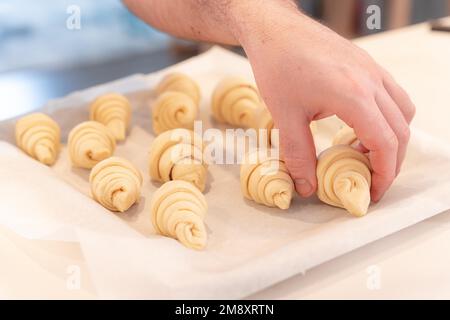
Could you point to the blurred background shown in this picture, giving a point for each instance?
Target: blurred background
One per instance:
(45, 52)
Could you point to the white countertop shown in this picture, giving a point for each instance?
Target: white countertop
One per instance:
(412, 263)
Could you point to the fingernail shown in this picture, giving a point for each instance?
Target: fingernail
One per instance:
(303, 187)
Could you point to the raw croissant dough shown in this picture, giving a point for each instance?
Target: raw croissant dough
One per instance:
(344, 179)
(115, 184)
(39, 136)
(179, 82)
(178, 155)
(173, 110)
(345, 135)
(89, 143)
(178, 211)
(114, 111)
(265, 180)
(236, 102)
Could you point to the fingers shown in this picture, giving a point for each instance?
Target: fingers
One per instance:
(299, 153)
(376, 135)
(397, 122)
(400, 97)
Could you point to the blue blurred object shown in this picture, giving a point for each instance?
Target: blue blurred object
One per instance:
(35, 33)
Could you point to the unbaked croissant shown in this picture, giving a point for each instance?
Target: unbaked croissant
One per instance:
(114, 111)
(178, 155)
(178, 210)
(89, 143)
(236, 101)
(266, 180)
(347, 136)
(172, 110)
(344, 179)
(38, 135)
(179, 82)
(115, 184)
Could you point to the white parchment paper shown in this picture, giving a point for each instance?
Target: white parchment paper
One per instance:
(250, 246)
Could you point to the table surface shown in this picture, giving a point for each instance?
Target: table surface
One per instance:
(412, 263)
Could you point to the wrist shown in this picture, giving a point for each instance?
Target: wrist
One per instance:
(255, 22)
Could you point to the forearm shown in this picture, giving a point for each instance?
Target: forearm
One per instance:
(221, 21)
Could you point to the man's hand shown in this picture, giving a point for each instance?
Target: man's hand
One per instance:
(304, 72)
(307, 72)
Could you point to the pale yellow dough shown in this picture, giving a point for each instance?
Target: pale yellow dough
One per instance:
(178, 155)
(344, 179)
(115, 184)
(114, 111)
(172, 110)
(236, 101)
(89, 143)
(266, 180)
(178, 210)
(39, 136)
(180, 82)
(347, 136)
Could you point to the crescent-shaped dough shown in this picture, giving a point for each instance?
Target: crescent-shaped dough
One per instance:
(347, 136)
(180, 82)
(266, 180)
(115, 184)
(89, 143)
(178, 155)
(236, 101)
(173, 110)
(178, 210)
(264, 120)
(39, 136)
(344, 179)
(114, 111)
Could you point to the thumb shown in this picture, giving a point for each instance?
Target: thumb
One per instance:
(299, 153)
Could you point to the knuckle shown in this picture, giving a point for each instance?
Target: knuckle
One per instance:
(410, 111)
(361, 84)
(298, 164)
(288, 146)
(404, 134)
(391, 141)
(360, 91)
